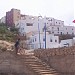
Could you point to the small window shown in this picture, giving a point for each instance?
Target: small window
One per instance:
(66, 28)
(52, 32)
(59, 22)
(72, 33)
(72, 28)
(67, 32)
(56, 22)
(35, 39)
(51, 19)
(55, 40)
(61, 33)
(50, 40)
(58, 28)
(29, 24)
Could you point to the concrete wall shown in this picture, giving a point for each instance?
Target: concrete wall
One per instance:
(61, 59)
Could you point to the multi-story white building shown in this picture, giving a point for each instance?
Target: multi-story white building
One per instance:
(34, 23)
(29, 24)
(61, 29)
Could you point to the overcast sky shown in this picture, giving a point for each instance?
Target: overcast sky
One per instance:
(58, 9)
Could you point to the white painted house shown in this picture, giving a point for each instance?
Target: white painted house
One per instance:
(51, 42)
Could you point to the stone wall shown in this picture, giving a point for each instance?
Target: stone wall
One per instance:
(61, 59)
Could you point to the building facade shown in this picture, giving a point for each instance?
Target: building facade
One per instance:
(51, 42)
(12, 16)
(62, 30)
(35, 23)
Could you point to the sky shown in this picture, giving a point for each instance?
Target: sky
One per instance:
(58, 9)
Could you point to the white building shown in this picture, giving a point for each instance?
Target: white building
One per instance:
(30, 23)
(61, 29)
(51, 42)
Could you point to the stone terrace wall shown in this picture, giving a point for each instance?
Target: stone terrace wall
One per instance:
(61, 59)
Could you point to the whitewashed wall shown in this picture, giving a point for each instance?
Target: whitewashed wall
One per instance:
(66, 43)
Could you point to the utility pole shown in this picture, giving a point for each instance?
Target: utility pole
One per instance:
(45, 35)
(39, 34)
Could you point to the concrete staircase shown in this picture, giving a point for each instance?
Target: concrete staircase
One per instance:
(39, 67)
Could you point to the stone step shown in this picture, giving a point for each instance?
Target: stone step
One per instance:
(45, 72)
(38, 67)
(42, 70)
(51, 74)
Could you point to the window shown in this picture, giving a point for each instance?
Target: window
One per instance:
(29, 24)
(66, 28)
(72, 28)
(56, 22)
(58, 28)
(55, 40)
(35, 39)
(67, 32)
(50, 40)
(52, 32)
(59, 22)
(72, 33)
(61, 33)
(51, 19)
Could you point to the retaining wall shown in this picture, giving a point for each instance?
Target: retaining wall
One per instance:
(61, 59)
